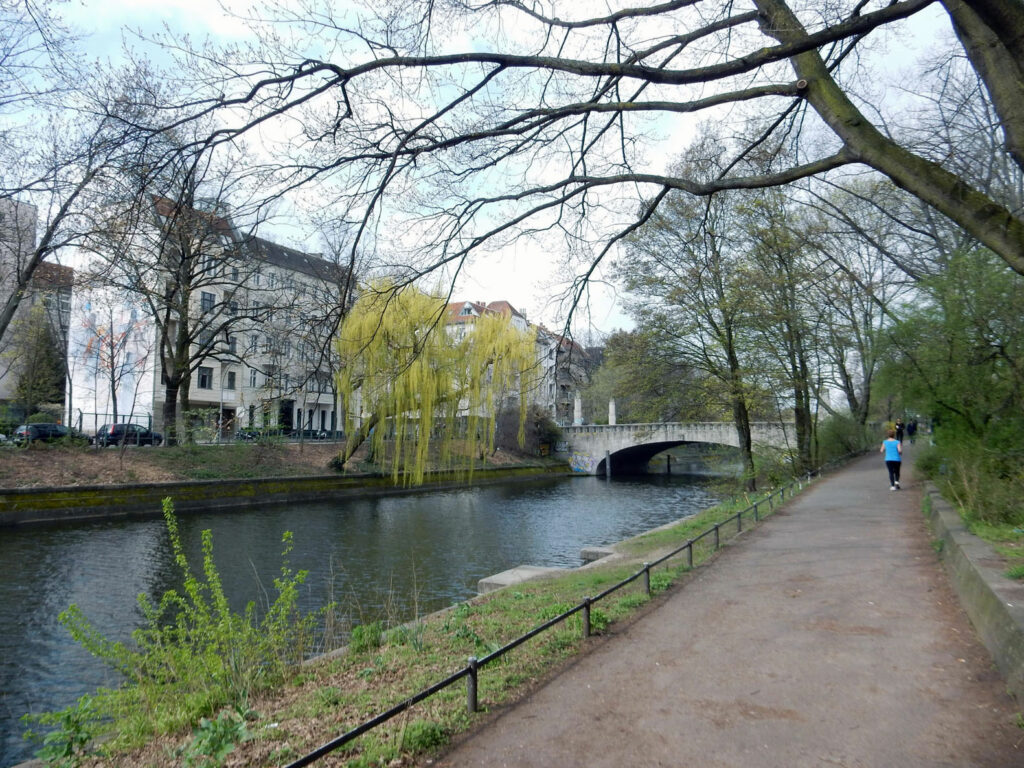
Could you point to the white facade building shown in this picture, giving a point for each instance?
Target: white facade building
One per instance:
(262, 318)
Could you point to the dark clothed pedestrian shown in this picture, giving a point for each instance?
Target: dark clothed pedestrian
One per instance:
(899, 430)
(912, 430)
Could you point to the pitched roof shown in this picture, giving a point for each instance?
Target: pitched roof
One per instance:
(295, 260)
(458, 316)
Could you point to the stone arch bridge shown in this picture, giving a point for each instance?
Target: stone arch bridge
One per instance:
(626, 448)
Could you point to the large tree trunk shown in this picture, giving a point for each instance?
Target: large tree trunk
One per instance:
(184, 395)
(741, 417)
(170, 413)
(993, 225)
(357, 438)
(992, 34)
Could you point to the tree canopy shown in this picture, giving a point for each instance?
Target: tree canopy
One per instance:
(478, 122)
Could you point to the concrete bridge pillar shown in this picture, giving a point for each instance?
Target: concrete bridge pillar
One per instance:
(611, 413)
(577, 410)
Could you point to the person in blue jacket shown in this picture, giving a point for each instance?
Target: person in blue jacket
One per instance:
(893, 458)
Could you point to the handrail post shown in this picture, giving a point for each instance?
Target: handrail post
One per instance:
(586, 618)
(739, 521)
(689, 554)
(755, 511)
(471, 686)
(717, 540)
(647, 578)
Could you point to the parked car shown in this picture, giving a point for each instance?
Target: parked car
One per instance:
(44, 432)
(130, 434)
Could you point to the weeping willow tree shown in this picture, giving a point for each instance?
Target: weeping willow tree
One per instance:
(414, 390)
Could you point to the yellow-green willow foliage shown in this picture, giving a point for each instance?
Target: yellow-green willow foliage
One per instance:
(419, 386)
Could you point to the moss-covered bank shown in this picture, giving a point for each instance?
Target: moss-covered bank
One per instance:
(38, 506)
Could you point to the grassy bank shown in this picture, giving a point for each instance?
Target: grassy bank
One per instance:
(386, 665)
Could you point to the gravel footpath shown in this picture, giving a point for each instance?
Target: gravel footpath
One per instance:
(828, 636)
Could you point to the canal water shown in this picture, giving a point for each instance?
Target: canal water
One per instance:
(388, 558)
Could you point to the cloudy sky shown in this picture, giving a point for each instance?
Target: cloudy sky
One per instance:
(527, 278)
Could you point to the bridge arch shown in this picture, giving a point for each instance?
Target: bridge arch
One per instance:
(630, 446)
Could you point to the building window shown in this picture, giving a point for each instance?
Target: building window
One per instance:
(230, 384)
(272, 278)
(206, 301)
(254, 342)
(205, 377)
(232, 346)
(233, 307)
(234, 274)
(268, 345)
(252, 382)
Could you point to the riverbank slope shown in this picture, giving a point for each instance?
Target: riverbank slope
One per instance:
(53, 466)
(55, 484)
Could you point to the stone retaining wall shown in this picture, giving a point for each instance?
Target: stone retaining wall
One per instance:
(994, 603)
(35, 506)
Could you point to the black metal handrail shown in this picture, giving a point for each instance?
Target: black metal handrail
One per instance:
(470, 671)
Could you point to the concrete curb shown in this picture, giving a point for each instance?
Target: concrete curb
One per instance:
(993, 602)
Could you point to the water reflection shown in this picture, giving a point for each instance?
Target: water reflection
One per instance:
(385, 557)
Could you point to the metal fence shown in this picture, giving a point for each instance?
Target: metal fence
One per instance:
(471, 671)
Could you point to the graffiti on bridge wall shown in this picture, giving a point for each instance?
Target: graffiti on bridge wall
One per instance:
(581, 462)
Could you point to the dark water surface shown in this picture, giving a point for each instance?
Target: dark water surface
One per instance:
(384, 557)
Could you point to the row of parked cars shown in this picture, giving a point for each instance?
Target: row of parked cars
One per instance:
(108, 434)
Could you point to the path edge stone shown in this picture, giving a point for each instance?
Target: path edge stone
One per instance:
(993, 602)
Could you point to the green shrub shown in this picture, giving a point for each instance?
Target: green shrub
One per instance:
(423, 735)
(193, 655)
(366, 637)
(984, 481)
(840, 436)
(1016, 572)
(928, 461)
(73, 729)
(661, 581)
(599, 621)
(213, 740)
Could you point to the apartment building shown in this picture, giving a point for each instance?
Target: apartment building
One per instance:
(563, 366)
(245, 341)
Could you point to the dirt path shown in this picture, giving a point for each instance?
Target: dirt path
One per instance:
(827, 637)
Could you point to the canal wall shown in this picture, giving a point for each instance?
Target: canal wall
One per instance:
(45, 506)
